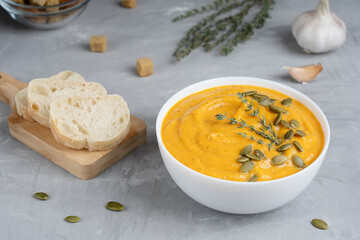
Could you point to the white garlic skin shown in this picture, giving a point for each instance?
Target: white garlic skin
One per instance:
(320, 30)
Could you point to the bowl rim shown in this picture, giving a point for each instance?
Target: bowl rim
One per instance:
(11, 4)
(159, 121)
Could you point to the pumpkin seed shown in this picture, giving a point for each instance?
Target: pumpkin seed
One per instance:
(246, 150)
(41, 196)
(250, 93)
(257, 99)
(253, 178)
(294, 123)
(72, 219)
(298, 161)
(289, 134)
(279, 160)
(285, 124)
(276, 109)
(247, 167)
(260, 154)
(278, 141)
(300, 133)
(287, 102)
(267, 101)
(114, 206)
(242, 159)
(284, 147)
(298, 146)
(260, 96)
(320, 224)
(277, 119)
(253, 157)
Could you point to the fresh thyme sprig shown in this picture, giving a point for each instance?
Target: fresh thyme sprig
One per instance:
(247, 30)
(243, 124)
(262, 121)
(211, 6)
(206, 32)
(197, 34)
(260, 141)
(235, 21)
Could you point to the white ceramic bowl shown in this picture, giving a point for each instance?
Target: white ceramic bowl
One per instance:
(241, 197)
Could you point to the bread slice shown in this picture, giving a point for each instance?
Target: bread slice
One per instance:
(68, 76)
(42, 91)
(96, 123)
(21, 97)
(21, 104)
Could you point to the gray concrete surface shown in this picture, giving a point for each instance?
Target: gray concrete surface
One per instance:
(155, 207)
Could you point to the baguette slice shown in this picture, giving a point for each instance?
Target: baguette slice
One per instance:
(96, 123)
(21, 104)
(42, 91)
(21, 97)
(68, 76)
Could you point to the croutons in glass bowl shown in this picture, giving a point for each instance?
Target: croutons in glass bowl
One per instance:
(44, 14)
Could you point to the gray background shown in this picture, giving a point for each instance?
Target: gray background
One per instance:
(155, 207)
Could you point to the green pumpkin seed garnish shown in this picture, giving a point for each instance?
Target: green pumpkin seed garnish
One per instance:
(247, 167)
(287, 102)
(114, 206)
(276, 109)
(253, 157)
(298, 146)
(72, 219)
(260, 96)
(300, 133)
(256, 99)
(260, 154)
(41, 196)
(246, 150)
(284, 147)
(242, 159)
(277, 119)
(285, 124)
(279, 160)
(294, 123)
(320, 224)
(253, 178)
(278, 141)
(298, 161)
(289, 134)
(250, 93)
(267, 101)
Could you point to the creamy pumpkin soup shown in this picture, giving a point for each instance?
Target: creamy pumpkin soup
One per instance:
(242, 133)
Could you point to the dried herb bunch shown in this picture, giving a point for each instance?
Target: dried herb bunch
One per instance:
(224, 25)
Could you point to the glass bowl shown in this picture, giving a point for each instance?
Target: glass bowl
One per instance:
(46, 17)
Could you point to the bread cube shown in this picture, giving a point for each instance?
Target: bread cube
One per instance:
(128, 3)
(41, 19)
(98, 43)
(54, 19)
(52, 3)
(19, 1)
(40, 3)
(144, 67)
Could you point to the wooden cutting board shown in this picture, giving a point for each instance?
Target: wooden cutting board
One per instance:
(82, 163)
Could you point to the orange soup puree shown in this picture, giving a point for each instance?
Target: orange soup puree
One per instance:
(196, 138)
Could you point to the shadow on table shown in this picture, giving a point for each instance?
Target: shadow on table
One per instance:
(286, 38)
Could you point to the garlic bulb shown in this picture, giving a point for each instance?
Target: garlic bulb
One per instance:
(320, 30)
(305, 74)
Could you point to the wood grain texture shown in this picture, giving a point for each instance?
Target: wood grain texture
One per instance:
(81, 163)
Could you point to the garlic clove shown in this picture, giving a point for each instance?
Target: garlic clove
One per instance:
(305, 73)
